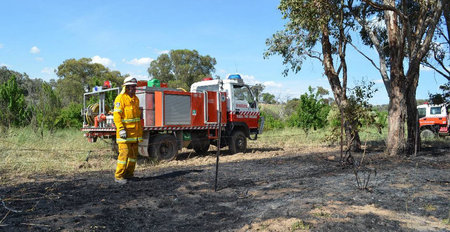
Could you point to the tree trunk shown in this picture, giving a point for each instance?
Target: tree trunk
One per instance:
(412, 121)
(446, 9)
(397, 100)
(338, 91)
(397, 114)
(413, 142)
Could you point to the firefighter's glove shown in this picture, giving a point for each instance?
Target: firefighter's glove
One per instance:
(123, 134)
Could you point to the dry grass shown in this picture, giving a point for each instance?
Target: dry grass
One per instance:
(25, 154)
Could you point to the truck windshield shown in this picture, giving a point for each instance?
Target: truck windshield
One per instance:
(422, 112)
(242, 93)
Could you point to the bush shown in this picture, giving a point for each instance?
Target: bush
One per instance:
(271, 119)
(70, 116)
(358, 113)
(13, 108)
(47, 109)
(311, 112)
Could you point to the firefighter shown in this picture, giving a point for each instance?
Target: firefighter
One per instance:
(127, 118)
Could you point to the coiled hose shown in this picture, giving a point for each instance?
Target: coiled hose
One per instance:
(92, 112)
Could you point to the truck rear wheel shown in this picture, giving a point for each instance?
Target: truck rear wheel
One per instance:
(427, 134)
(238, 142)
(164, 147)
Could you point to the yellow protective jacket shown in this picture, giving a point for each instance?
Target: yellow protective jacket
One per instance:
(127, 115)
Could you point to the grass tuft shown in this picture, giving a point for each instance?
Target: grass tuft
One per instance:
(300, 225)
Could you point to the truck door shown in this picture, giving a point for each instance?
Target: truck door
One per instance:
(244, 106)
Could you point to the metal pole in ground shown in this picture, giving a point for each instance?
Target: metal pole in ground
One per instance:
(417, 141)
(342, 132)
(219, 132)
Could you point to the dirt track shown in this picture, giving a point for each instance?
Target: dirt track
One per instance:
(271, 189)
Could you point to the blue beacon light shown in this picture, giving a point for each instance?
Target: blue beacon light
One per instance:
(234, 76)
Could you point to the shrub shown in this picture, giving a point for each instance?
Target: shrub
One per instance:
(13, 108)
(271, 119)
(47, 109)
(70, 116)
(358, 112)
(311, 112)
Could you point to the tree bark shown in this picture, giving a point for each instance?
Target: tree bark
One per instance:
(412, 122)
(446, 13)
(397, 114)
(397, 100)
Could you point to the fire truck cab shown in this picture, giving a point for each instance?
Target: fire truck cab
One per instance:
(242, 109)
(433, 120)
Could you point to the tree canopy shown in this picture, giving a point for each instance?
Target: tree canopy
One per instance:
(268, 98)
(74, 75)
(406, 38)
(311, 23)
(181, 68)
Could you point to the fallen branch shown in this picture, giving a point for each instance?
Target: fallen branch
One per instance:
(6, 215)
(10, 209)
(438, 181)
(32, 224)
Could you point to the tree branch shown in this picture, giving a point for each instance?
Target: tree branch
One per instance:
(314, 56)
(426, 64)
(360, 52)
(430, 32)
(386, 7)
(376, 42)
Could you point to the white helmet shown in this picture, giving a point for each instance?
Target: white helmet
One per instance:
(130, 81)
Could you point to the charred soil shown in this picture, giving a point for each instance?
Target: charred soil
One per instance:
(266, 189)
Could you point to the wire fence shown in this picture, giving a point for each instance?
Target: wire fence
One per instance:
(21, 147)
(58, 151)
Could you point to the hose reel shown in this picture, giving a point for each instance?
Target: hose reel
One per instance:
(92, 112)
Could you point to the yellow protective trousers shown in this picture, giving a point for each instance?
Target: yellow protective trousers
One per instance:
(126, 162)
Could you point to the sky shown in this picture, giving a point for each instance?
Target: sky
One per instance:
(36, 36)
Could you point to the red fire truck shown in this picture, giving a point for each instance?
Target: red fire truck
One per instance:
(433, 120)
(173, 118)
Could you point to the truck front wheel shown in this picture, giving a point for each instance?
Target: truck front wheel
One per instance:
(164, 147)
(238, 142)
(427, 134)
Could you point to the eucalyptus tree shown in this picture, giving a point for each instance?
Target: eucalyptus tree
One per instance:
(323, 24)
(405, 38)
(181, 68)
(74, 75)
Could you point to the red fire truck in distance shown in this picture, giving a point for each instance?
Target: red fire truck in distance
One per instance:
(173, 118)
(433, 120)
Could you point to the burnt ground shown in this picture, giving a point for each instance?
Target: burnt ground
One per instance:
(267, 189)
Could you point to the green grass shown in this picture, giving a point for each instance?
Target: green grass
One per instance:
(299, 225)
(297, 137)
(292, 136)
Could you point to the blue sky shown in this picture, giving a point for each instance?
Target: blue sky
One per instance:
(36, 36)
